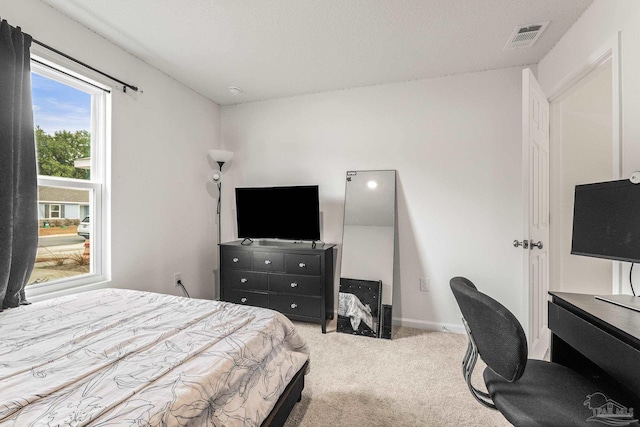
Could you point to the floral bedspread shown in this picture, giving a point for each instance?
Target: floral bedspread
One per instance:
(117, 357)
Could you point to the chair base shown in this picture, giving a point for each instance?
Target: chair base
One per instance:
(549, 394)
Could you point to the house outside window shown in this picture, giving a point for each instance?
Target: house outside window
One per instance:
(71, 114)
(62, 203)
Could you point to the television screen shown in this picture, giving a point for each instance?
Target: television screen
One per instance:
(606, 221)
(290, 213)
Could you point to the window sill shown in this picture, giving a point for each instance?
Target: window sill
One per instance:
(41, 292)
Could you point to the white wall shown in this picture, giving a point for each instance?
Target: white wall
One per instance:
(162, 210)
(582, 131)
(455, 142)
(599, 24)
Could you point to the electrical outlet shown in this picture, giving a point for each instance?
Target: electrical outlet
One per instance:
(424, 284)
(176, 278)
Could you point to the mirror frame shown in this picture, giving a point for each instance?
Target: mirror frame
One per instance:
(373, 290)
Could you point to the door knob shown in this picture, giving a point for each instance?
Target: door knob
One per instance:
(524, 244)
(536, 245)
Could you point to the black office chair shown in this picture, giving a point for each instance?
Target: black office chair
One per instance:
(529, 392)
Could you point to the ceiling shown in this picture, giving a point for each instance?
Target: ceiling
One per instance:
(279, 48)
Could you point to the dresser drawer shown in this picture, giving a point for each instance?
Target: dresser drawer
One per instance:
(257, 299)
(268, 261)
(302, 264)
(295, 284)
(239, 279)
(235, 259)
(296, 305)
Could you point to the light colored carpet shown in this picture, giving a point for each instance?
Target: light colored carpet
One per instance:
(413, 380)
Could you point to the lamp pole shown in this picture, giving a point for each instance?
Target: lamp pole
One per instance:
(220, 157)
(218, 211)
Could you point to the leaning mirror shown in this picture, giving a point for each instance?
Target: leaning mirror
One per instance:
(368, 241)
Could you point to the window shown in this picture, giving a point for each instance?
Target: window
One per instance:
(54, 211)
(70, 119)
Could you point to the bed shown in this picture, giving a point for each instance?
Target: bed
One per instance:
(117, 357)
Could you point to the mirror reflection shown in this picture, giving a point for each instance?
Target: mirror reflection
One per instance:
(366, 279)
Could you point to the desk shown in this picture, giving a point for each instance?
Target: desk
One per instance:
(596, 338)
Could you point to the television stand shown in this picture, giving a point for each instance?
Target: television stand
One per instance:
(295, 279)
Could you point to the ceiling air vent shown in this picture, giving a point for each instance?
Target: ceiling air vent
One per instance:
(525, 36)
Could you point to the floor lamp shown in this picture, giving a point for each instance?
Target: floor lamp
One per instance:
(221, 157)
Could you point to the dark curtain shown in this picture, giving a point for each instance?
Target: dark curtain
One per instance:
(18, 174)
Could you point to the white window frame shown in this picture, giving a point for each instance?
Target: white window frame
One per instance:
(51, 205)
(97, 185)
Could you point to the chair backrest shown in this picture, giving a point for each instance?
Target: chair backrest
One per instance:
(498, 335)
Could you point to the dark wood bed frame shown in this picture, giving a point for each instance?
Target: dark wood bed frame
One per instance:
(292, 394)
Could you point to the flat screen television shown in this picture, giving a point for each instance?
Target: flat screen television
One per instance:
(289, 213)
(606, 221)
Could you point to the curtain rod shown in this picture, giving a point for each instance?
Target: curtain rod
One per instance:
(125, 85)
(58, 70)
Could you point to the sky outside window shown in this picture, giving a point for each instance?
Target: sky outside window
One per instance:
(58, 107)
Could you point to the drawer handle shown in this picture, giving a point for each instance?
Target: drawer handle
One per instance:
(243, 299)
(294, 285)
(294, 305)
(267, 261)
(235, 260)
(302, 265)
(243, 280)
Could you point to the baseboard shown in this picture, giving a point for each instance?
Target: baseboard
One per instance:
(424, 324)
(431, 326)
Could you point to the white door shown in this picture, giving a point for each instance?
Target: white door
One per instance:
(535, 157)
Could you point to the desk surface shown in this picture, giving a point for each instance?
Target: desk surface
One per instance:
(613, 318)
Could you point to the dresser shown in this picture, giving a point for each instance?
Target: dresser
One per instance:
(295, 279)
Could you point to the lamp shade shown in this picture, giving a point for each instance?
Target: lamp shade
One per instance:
(220, 155)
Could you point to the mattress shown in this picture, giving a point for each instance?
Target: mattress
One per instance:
(117, 357)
